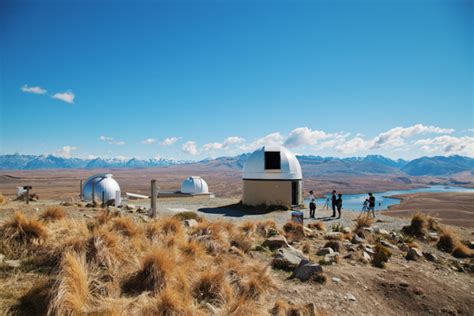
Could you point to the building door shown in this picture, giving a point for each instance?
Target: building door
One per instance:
(295, 193)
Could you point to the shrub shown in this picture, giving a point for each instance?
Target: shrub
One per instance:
(72, 288)
(21, 231)
(417, 227)
(363, 221)
(381, 256)
(319, 225)
(3, 199)
(294, 231)
(446, 242)
(334, 245)
(53, 213)
(126, 226)
(212, 287)
(182, 216)
(266, 228)
(155, 271)
(461, 251)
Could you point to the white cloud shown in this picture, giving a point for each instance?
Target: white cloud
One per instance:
(67, 96)
(149, 141)
(212, 146)
(65, 151)
(190, 148)
(304, 136)
(395, 136)
(111, 141)
(354, 145)
(34, 90)
(232, 140)
(271, 139)
(169, 141)
(157, 157)
(448, 145)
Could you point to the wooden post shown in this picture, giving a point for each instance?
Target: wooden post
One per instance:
(153, 198)
(103, 199)
(81, 193)
(27, 195)
(93, 191)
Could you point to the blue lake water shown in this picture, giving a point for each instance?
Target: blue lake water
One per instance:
(355, 201)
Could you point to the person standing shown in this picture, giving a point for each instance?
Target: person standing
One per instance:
(371, 200)
(333, 203)
(312, 204)
(339, 204)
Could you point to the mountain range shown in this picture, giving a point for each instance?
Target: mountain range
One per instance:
(312, 165)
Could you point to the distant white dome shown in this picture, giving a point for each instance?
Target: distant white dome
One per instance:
(194, 185)
(102, 183)
(272, 163)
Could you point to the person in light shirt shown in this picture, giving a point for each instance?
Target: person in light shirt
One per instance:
(312, 204)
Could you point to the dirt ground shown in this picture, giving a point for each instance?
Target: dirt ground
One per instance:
(450, 208)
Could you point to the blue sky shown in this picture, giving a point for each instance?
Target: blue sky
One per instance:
(195, 79)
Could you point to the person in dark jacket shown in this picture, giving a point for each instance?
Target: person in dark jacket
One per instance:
(334, 203)
(312, 204)
(371, 201)
(339, 204)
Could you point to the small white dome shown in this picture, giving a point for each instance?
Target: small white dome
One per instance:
(194, 185)
(272, 163)
(102, 183)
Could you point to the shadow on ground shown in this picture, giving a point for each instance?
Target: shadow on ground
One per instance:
(237, 210)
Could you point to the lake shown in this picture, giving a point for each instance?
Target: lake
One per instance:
(355, 201)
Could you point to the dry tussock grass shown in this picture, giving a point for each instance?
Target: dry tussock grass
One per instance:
(111, 265)
(293, 231)
(20, 234)
(447, 241)
(418, 226)
(52, 213)
(319, 225)
(3, 199)
(361, 222)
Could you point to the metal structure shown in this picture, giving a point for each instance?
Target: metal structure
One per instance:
(100, 187)
(194, 186)
(272, 176)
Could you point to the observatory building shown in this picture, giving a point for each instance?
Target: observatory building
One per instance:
(272, 176)
(194, 186)
(102, 186)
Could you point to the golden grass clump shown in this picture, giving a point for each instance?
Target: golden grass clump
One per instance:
(242, 242)
(417, 227)
(447, 241)
(171, 302)
(71, 292)
(247, 227)
(20, 231)
(282, 308)
(319, 225)
(182, 216)
(212, 287)
(102, 249)
(293, 231)
(381, 256)
(125, 226)
(154, 274)
(362, 222)
(255, 282)
(462, 251)
(52, 213)
(3, 199)
(266, 228)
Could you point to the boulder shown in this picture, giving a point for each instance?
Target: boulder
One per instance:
(357, 240)
(276, 242)
(333, 236)
(324, 251)
(414, 254)
(305, 270)
(190, 223)
(430, 257)
(331, 258)
(287, 258)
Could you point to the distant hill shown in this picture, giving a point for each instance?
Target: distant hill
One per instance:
(312, 165)
(439, 166)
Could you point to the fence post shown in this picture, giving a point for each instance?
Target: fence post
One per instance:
(153, 198)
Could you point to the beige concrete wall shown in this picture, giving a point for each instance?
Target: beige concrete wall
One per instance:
(268, 192)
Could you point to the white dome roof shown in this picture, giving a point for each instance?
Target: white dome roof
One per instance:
(102, 183)
(194, 185)
(287, 168)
